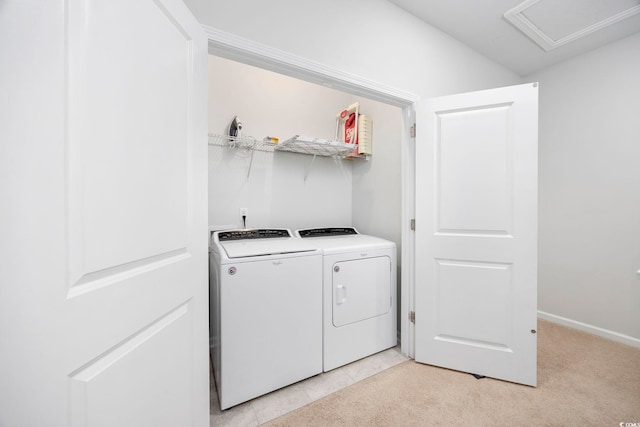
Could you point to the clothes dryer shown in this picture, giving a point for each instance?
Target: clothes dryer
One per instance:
(359, 293)
(265, 312)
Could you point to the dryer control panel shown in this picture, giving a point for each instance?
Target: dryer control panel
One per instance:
(330, 231)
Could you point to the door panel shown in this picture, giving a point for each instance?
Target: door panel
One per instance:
(476, 233)
(460, 287)
(473, 176)
(132, 368)
(128, 145)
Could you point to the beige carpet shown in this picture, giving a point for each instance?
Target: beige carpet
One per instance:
(583, 380)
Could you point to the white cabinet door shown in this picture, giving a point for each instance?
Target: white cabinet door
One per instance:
(476, 233)
(103, 312)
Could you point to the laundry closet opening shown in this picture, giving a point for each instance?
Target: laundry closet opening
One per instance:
(290, 190)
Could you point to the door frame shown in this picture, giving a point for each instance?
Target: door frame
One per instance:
(231, 46)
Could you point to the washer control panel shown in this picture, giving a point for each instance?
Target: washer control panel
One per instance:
(260, 233)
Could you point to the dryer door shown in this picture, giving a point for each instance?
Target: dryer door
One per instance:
(361, 289)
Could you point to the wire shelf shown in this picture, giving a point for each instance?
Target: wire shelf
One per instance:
(297, 144)
(244, 142)
(315, 146)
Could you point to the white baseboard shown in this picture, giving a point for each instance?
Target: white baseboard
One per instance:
(614, 336)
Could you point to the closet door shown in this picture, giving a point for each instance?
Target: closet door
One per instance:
(476, 232)
(104, 314)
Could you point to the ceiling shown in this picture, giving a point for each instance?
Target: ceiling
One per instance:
(549, 32)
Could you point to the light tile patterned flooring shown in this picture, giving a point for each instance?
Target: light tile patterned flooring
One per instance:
(265, 408)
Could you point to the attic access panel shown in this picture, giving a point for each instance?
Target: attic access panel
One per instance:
(553, 23)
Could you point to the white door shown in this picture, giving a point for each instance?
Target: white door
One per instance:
(476, 233)
(103, 304)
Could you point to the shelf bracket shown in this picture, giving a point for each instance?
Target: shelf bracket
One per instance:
(306, 173)
(253, 150)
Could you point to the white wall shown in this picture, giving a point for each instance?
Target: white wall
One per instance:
(373, 39)
(589, 248)
(276, 193)
(377, 183)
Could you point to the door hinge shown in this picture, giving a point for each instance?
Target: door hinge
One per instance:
(412, 131)
(412, 224)
(412, 316)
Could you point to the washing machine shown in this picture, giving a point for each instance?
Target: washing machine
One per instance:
(265, 312)
(359, 293)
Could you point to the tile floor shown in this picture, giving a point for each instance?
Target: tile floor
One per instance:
(265, 408)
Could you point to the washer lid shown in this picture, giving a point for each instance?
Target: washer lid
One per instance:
(260, 242)
(263, 247)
